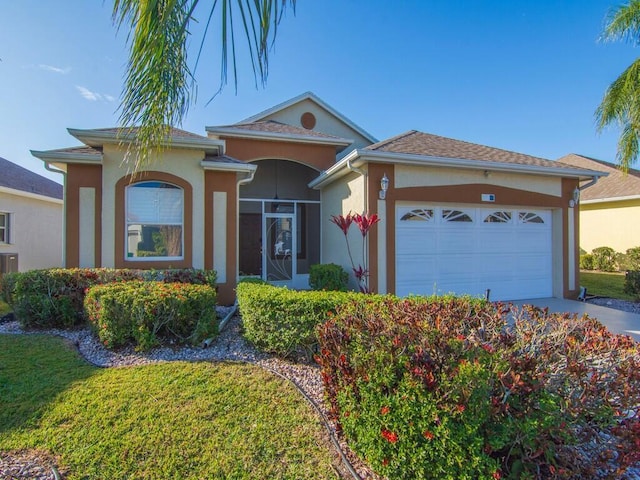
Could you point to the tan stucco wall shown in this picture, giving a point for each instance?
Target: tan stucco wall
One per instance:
(611, 224)
(411, 176)
(36, 231)
(179, 162)
(325, 123)
(342, 197)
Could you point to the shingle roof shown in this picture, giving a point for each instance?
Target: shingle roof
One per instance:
(83, 150)
(271, 126)
(19, 178)
(174, 132)
(222, 159)
(617, 184)
(426, 144)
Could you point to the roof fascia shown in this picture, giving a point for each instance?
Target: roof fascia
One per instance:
(609, 199)
(36, 196)
(273, 136)
(359, 157)
(314, 98)
(67, 157)
(228, 167)
(94, 138)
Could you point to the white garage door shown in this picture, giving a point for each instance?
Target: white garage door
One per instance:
(466, 250)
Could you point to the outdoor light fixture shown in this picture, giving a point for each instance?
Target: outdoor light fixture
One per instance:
(384, 186)
(576, 198)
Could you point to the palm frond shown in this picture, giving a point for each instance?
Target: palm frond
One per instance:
(159, 84)
(623, 23)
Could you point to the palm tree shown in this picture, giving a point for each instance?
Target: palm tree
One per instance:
(621, 102)
(159, 82)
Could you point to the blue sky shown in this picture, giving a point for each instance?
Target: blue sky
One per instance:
(520, 75)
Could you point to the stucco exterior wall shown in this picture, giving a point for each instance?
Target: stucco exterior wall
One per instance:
(342, 197)
(36, 231)
(325, 123)
(610, 224)
(412, 176)
(179, 162)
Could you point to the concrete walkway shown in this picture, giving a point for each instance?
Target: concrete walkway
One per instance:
(616, 321)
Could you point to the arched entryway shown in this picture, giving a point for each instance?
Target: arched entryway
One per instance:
(279, 224)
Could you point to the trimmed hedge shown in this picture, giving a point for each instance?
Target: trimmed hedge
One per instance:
(54, 297)
(445, 388)
(282, 321)
(151, 313)
(328, 277)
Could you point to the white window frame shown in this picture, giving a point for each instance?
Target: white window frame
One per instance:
(5, 228)
(157, 221)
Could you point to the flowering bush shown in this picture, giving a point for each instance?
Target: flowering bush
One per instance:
(150, 313)
(54, 297)
(364, 223)
(460, 388)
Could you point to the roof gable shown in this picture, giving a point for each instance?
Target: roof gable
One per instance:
(309, 112)
(616, 185)
(18, 178)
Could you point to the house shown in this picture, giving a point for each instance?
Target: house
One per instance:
(31, 210)
(609, 208)
(254, 199)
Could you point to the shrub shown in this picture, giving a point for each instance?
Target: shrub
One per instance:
(444, 388)
(604, 259)
(328, 277)
(54, 297)
(632, 283)
(7, 285)
(283, 321)
(632, 259)
(151, 313)
(586, 261)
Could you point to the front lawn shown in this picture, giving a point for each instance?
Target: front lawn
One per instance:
(605, 284)
(173, 420)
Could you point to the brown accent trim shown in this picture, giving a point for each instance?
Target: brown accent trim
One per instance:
(121, 184)
(81, 176)
(222, 182)
(471, 193)
(568, 185)
(320, 157)
(308, 120)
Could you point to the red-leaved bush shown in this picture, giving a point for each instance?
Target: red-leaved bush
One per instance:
(461, 388)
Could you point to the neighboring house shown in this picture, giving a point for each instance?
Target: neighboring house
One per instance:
(609, 209)
(255, 199)
(31, 210)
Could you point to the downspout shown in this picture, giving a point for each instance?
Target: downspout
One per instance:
(593, 181)
(364, 174)
(48, 166)
(248, 178)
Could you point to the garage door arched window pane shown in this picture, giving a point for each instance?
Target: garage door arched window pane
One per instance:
(498, 217)
(154, 221)
(530, 217)
(421, 214)
(455, 216)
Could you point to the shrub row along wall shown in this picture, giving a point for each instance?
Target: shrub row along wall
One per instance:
(54, 297)
(441, 388)
(606, 259)
(283, 321)
(148, 312)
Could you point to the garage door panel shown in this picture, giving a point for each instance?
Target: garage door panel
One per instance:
(510, 254)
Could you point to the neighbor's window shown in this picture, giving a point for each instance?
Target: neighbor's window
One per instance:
(4, 227)
(155, 216)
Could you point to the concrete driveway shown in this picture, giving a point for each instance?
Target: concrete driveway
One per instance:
(616, 321)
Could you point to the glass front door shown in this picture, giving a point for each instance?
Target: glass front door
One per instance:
(279, 248)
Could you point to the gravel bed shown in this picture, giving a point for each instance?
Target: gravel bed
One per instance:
(633, 307)
(228, 346)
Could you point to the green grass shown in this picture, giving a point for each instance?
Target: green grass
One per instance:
(605, 284)
(173, 420)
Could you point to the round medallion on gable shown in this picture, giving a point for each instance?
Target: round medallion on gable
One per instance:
(308, 120)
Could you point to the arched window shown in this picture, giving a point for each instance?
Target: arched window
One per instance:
(154, 221)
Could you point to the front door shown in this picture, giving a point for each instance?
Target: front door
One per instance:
(279, 249)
